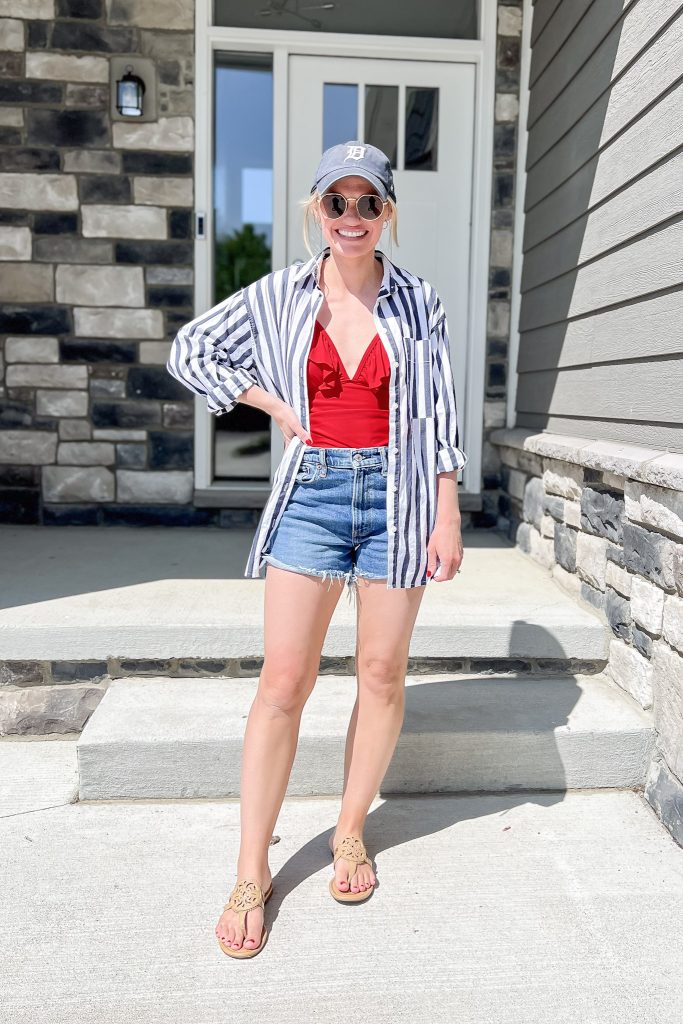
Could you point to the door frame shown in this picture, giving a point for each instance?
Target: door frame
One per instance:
(281, 43)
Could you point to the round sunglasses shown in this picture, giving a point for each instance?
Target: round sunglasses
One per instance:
(368, 207)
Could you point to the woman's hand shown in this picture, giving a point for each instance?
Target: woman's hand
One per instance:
(289, 423)
(445, 547)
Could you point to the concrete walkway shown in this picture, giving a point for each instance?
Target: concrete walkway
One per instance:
(536, 908)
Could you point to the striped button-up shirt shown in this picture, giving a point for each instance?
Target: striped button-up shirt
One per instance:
(262, 335)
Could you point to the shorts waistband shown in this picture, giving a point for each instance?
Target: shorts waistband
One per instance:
(368, 458)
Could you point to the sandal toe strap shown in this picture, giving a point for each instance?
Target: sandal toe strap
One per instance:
(244, 897)
(351, 848)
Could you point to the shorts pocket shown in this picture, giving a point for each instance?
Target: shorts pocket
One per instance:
(308, 472)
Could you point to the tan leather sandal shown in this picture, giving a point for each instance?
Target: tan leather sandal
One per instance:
(247, 895)
(350, 848)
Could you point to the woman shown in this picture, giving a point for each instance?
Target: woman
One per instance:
(350, 355)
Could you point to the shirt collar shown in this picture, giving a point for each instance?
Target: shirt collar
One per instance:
(392, 278)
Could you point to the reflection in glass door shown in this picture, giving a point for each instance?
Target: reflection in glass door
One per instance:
(242, 232)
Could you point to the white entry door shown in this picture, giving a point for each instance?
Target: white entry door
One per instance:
(421, 114)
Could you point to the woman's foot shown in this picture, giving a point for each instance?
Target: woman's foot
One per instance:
(364, 877)
(228, 928)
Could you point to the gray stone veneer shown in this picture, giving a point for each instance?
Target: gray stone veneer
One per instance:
(96, 271)
(607, 520)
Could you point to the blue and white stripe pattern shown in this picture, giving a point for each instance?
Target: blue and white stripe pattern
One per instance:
(262, 335)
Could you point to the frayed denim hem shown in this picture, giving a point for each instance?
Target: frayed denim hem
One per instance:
(351, 577)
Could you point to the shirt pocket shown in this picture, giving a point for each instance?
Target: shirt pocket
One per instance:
(423, 441)
(419, 376)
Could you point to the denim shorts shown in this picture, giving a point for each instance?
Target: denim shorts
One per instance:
(335, 521)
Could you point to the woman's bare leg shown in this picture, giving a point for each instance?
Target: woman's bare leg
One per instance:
(385, 624)
(297, 613)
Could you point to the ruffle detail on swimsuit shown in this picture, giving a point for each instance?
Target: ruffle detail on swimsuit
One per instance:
(373, 369)
(327, 362)
(376, 371)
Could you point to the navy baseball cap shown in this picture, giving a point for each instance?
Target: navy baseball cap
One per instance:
(355, 157)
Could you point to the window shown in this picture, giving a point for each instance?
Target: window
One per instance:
(421, 125)
(340, 113)
(439, 19)
(380, 117)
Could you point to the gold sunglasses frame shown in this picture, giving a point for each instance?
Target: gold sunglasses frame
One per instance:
(366, 195)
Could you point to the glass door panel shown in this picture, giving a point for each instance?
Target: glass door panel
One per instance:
(340, 113)
(381, 119)
(242, 232)
(421, 128)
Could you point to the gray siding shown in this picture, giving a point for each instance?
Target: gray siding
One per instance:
(601, 319)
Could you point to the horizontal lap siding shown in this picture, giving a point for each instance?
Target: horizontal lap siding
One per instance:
(647, 265)
(601, 335)
(609, 390)
(648, 328)
(662, 437)
(622, 103)
(571, 87)
(644, 144)
(646, 203)
(587, 23)
(543, 12)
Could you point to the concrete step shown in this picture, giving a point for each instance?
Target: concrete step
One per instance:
(122, 596)
(182, 738)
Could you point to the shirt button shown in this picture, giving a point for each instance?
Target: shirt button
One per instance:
(392, 528)
(395, 363)
(395, 487)
(395, 405)
(395, 450)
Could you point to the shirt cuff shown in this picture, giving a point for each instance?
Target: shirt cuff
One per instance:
(225, 397)
(449, 458)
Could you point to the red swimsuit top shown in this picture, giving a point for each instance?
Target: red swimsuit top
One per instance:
(347, 412)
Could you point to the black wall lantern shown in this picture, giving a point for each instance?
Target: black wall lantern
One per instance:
(129, 92)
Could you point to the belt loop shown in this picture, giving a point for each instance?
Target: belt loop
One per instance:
(322, 459)
(385, 459)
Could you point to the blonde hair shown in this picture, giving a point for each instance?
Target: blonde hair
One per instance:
(309, 203)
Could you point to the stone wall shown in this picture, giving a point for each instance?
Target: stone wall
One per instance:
(97, 255)
(96, 270)
(505, 130)
(607, 520)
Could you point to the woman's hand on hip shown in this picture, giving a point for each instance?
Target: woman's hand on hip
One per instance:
(289, 423)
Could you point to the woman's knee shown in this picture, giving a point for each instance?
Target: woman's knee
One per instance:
(286, 688)
(382, 676)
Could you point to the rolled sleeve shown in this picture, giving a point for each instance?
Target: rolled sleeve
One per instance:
(213, 355)
(449, 454)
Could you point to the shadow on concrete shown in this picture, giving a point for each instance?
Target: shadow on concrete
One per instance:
(40, 564)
